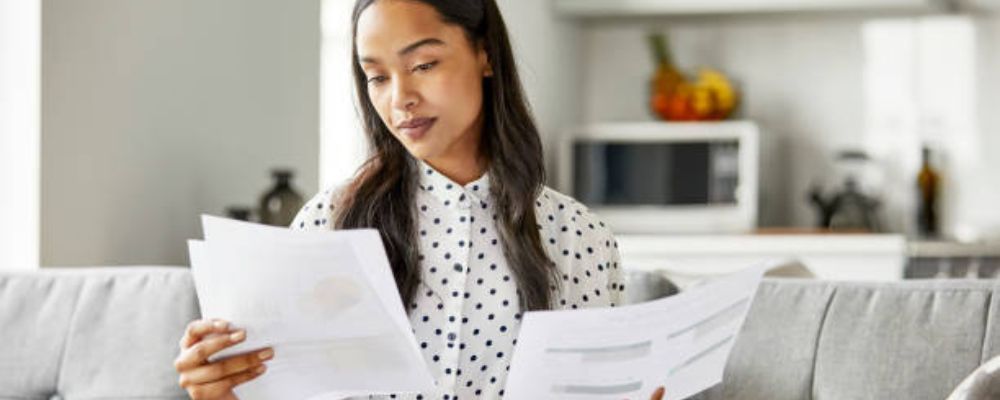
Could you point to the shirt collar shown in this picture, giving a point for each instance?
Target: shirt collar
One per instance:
(452, 194)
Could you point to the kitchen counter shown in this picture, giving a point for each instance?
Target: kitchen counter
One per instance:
(942, 249)
(689, 258)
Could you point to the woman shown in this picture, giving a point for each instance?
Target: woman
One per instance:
(455, 186)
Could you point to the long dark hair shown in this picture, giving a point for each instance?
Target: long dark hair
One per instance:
(381, 194)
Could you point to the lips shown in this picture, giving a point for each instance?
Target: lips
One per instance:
(416, 128)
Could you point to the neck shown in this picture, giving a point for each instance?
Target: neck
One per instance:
(460, 170)
(463, 162)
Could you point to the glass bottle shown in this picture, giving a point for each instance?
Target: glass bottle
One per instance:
(928, 185)
(279, 205)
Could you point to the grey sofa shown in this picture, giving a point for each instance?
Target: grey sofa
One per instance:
(111, 333)
(96, 333)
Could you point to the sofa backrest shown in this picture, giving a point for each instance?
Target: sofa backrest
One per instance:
(111, 333)
(807, 339)
(108, 333)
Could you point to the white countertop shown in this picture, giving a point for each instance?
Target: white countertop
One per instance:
(935, 249)
(765, 244)
(689, 258)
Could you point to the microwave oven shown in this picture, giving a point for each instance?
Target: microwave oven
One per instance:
(665, 177)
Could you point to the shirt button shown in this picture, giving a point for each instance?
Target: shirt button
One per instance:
(458, 267)
(452, 336)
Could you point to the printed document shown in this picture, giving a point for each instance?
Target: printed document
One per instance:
(325, 301)
(679, 342)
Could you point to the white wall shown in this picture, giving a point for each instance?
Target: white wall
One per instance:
(20, 58)
(802, 76)
(155, 111)
(548, 51)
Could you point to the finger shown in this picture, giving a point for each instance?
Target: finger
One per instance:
(658, 394)
(243, 377)
(198, 329)
(198, 353)
(221, 369)
(218, 388)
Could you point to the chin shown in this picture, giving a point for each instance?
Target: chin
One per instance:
(420, 151)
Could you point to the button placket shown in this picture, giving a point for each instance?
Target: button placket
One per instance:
(457, 276)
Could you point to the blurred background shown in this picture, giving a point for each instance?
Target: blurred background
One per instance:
(855, 136)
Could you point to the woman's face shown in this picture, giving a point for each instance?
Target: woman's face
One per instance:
(424, 78)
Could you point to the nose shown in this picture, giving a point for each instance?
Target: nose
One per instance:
(404, 97)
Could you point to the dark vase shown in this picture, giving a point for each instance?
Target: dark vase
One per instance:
(239, 213)
(279, 205)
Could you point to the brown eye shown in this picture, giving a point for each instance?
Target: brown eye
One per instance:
(425, 67)
(375, 80)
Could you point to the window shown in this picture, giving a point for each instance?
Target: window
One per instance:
(342, 142)
(20, 69)
(920, 83)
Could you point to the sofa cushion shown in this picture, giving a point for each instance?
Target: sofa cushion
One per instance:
(35, 314)
(991, 344)
(641, 286)
(108, 333)
(806, 339)
(777, 362)
(916, 341)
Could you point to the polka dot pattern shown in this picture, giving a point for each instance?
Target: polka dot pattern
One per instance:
(466, 314)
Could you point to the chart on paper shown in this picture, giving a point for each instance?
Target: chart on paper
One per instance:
(680, 342)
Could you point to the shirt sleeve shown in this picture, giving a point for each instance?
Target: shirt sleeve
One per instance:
(318, 212)
(611, 260)
(579, 239)
(616, 276)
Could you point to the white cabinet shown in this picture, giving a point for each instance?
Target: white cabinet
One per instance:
(597, 8)
(688, 259)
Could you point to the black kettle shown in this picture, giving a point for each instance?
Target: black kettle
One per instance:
(848, 209)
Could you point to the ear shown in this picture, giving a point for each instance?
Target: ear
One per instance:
(484, 61)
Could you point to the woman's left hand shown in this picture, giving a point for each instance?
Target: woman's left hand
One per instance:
(657, 394)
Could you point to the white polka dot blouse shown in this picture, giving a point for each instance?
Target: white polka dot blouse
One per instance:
(466, 312)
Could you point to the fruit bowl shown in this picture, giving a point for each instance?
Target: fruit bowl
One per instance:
(674, 97)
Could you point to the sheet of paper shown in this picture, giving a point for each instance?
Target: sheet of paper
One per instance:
(680, 342)
(326, 301)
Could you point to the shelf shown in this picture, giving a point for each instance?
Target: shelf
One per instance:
(946, 249)
(626, 8)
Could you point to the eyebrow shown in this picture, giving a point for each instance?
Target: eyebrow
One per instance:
(409, 49)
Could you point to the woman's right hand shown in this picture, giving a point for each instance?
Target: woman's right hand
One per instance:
(205, 380)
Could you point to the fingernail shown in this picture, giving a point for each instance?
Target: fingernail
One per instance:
(260, 369)
(266, 354)
(238, 335)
